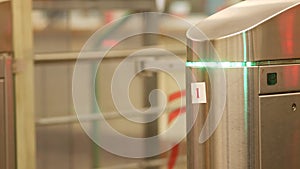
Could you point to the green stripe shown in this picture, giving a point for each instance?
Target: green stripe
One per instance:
(245, 85)
(220, 64)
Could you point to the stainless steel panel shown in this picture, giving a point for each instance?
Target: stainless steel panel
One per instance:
(278, 38)
(287, 77)
(280, 131)
(266, 30)
(234, 144)
(256, 132)
(5, 26)
(241, 17)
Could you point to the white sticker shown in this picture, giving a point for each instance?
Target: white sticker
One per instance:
(198, 92)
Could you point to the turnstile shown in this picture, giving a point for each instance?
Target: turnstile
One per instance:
(243, 87)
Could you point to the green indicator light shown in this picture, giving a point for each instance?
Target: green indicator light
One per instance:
(220, 64)
(272, 79)
(250, 64)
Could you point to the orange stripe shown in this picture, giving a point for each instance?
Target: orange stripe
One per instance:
(173, 157)
(176, 95)
(174, 114)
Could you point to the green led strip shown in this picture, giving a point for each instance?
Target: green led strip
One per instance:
(220, 64)
(245, 64)
(245, 86)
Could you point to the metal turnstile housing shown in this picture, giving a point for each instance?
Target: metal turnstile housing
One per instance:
(256, 46)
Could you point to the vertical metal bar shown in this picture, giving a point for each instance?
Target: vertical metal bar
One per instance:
(7, 121)
(150, 25)
(2, 127)
(9, 115)
(24, 85)
(151, 22)
(151, 129)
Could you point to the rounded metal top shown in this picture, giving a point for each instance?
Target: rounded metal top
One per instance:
(238, 18)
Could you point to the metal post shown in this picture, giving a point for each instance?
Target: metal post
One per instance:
(24, 93)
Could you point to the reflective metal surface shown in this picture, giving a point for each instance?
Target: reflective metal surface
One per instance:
(257, 45)
(255, 128)
(6, 26)
(234, 145)
(263, 30)
(287, 78)
(280, 131)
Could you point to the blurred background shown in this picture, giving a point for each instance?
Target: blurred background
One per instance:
(60, 30)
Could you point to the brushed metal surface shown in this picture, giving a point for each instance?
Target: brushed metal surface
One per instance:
(251, 134)
(241, 17)
(249, 31)
(280, 131)
(288, 78)
(5, 26)
(234, 144)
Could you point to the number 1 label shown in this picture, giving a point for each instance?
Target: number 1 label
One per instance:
(198, 92)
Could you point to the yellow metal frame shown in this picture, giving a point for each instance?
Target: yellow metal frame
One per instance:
(24, 90)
